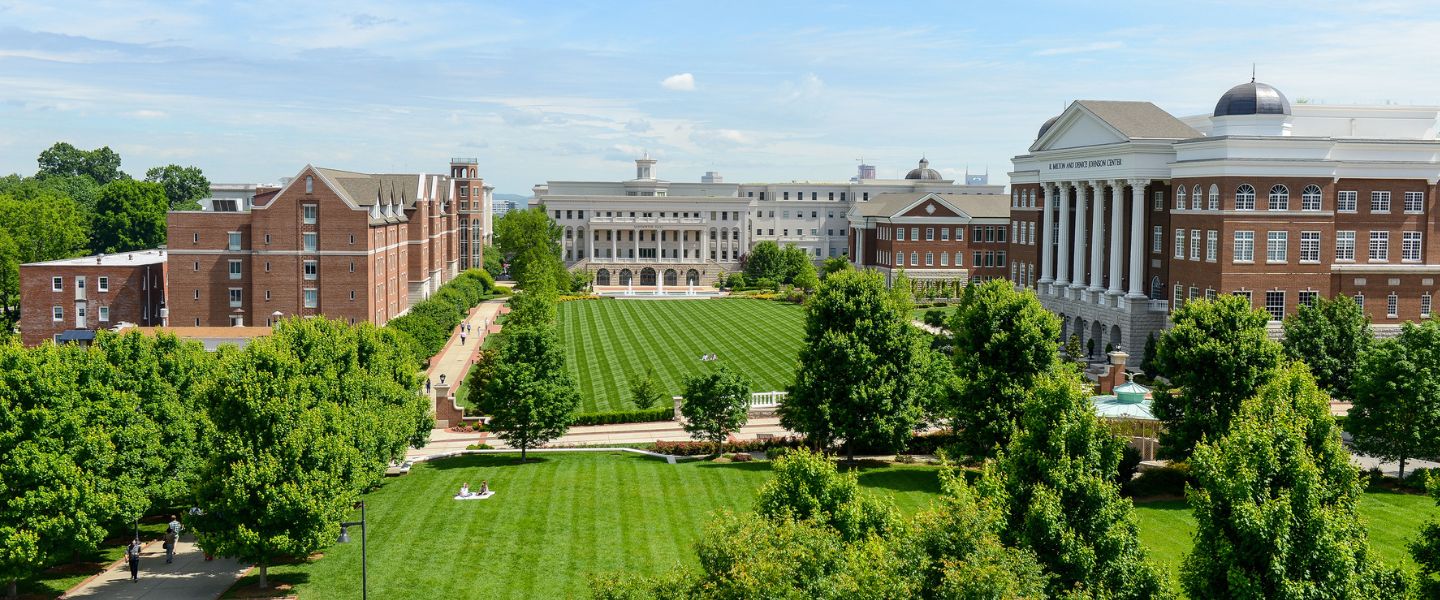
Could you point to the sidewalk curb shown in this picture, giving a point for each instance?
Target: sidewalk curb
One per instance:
(669, 458)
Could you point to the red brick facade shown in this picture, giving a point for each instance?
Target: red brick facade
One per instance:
(934, 236)
(96, 292)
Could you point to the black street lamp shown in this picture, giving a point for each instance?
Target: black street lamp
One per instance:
(345, 539)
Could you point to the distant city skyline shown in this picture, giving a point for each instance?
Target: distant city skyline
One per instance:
(566, 91)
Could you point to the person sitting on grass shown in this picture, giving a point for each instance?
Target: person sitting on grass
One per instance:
(484, 487)
(465, 490)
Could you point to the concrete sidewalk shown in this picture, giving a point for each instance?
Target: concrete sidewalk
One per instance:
(446, 442)
(189, 577)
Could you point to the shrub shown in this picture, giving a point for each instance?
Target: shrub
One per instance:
(664, 413)
(766, 283)
(479, 447)
(1168, 481)
(934, 317)
(776, 452)
(905, 459)
(571, 297)
(430, 322)
(1129, 463)
(690, 448)
(741, 457)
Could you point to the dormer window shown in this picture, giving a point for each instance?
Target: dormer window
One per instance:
(309, 184)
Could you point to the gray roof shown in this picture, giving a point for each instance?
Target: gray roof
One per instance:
(1139, 119)
(975, 205)
(368, 189)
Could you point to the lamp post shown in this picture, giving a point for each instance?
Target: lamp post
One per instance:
(345, 539)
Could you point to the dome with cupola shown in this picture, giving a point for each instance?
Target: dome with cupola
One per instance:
(1252, 98)
(924, 172)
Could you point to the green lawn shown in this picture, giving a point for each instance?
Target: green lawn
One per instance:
(607, 340)
(550, 524)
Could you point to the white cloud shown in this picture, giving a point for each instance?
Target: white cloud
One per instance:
(683, 82)
(147, 114)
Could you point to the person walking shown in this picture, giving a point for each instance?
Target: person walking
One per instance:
(427, 386)
(132, 553)
(462, 337)
(172, 537)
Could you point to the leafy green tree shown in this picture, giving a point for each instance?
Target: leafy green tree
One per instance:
(1147, 364)
(1275, 504)
(531, 399)
(835, 264)
(1057, 480)
(130, 216)
(960, 534)
(1004, 341)
(537, 305)
(807, 279)
(764, 261)
(806, 486)
(9, 285)
(530, 241)
(1218, 353)
(1396, 391)
(645, 389)
(63, 160)
(793, 262)
(184, 186)
(493, 264)
(858, 379)
(44, 226)
(53, 503)
(1426, 550)
(716, 404)
(1329, 335)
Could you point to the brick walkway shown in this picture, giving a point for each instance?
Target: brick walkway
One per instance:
(189, 577)
(455, 358)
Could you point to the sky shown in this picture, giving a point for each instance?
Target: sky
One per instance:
(554, 90)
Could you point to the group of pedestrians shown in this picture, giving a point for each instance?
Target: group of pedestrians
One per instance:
(464, 332)
(172, 537)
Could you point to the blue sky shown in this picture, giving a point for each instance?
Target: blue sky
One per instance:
(760, 91)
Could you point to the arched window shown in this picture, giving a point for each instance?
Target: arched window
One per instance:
(1180, 198)
(1014, 198)
(1245, 197)
(1214, 197)
(1310, 198)
(1279, 197)
(309, 184)
(1196, 199)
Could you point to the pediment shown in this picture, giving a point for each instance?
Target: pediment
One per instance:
(1077, 127)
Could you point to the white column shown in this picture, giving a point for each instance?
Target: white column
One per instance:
(1117, 234)
(1047, 224)
(590, 244)
(614, 244)
(1082, 199)
(659, 245)
(1097, 238)
(636, 231)
(1062, 262)
(1137, 238)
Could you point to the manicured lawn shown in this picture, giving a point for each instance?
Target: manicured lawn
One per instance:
(607, 340)
(550, 524)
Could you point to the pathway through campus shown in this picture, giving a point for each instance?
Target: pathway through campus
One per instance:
(189, 577)
(454, 358)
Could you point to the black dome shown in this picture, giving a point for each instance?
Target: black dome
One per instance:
(1046, 127)
(1252, 98)
(924, 172)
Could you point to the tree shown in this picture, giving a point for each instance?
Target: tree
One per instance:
(807, 279)
(531, 399)
(52, 501)
(793, 262)
(493, 264)
(1426, 550)
(1275, 504)
(764, 262)
(1329, 335)
(835, 264)
(859, 377)
(537, 304)
(961, 535)
(645, 390)
(1147, 364)
(1218, 353)
(130, 216)
(9, 285)
(529, 237)
(1004, 340)
(44, 225)
(1057, 480)
(806, 486)
(1396, 410)
(184, 186)
(716, 404)
(63, 160)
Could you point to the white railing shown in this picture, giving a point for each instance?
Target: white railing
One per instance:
(767, 399)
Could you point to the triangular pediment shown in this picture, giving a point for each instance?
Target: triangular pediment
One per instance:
(1077, 127)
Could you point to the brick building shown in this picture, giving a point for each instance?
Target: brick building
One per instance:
(934, 237)
(68, 300)
(473, 200)
(350, 246)
(1262, 199)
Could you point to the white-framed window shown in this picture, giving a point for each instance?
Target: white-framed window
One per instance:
(1307, 297)
(308, 239)
(1360, 299)
(1179, 296)
(929, 259)
(232, 239)
(914, 234)
(312, 298)
(1244, 246)
(1179, 243)
(1245, 197)
(57, 313)
(1275, 304)
(1180, 197)
(310, 212)
(1209, 294)
(1309, 246)
(1379, 202)
(312, 269)
(195, 294)
(944, 259)
(236, 299)
(309, 184)
(267, 295)
(959, 259)
(899, 234)
(1031, 235)
(960, 233)
(1279, 197)
(1197, 200)
(1392, 305)
(1310, 198)
(944, 234)
(1159, 200)
(914, 258)
(1379, 245)
(1213, 201)
(1414, 202)
(57, 284)
(1243, 294)
(1194, 244)
(1425, 305)
(1345, 201)
(1157, 239)
(1212, 245)
(1344, 246)
(1277, 245)
(102, 284)
(1410, 246)
(104, 314)
(234, 269)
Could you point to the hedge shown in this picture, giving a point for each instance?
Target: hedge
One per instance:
(706, 448)
(648, 415)
(429, 323)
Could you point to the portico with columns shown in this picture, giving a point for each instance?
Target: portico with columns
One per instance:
(1099, 167)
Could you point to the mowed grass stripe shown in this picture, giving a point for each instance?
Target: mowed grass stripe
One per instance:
(757, 338)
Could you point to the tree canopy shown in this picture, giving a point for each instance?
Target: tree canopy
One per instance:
(716, 404)
(530, 241)
(1218, 353)
(184, 186)
(64, 160)
(1426, 550)
(130, 216)
(1329, 335)
(1396, 391)
(530, 397)
(764, 261)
